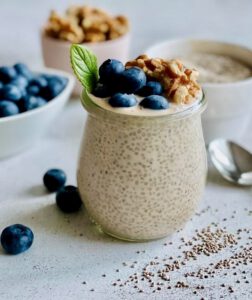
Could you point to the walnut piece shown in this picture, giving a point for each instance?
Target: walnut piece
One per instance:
(179, 83)
(86, 24)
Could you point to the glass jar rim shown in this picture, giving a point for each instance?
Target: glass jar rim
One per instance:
(93, 108)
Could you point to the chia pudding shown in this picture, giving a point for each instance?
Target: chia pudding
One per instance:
(142, 170)
(216, 68)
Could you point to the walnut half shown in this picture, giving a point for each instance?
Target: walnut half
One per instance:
(179, 83)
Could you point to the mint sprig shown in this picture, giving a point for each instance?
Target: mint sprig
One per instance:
(84, 64)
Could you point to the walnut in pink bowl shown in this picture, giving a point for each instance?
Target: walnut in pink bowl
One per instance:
(107, 36)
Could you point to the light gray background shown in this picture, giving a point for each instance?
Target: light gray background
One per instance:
(60, 259)
(152, 21)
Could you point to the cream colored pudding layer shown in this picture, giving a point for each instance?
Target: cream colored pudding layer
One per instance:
(141, 178)
(138, 110)
(216, 68)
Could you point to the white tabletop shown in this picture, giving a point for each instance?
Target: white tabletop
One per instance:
(68, 249)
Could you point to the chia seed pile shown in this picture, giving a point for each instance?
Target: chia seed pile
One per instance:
(166, 274)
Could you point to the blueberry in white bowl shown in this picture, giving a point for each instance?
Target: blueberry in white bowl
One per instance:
(54, 86)
(10, 92)
(23, 70)
(33, 90)
(20, 81)
(8, 108)
(29, 103)
(39, 81)
(7, 74)
(27, 89)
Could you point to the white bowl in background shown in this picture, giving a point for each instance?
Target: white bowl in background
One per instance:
(56, 53)
(21, 131)
(229, 104)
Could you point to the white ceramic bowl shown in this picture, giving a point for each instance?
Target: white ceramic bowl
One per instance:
(56, 53)
(21, 131)
(229, 104)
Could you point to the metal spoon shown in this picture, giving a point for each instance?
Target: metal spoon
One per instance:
(232, 161)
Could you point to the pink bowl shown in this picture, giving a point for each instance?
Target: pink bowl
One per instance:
(56, 53)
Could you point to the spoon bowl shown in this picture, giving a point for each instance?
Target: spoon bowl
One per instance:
(232, 161)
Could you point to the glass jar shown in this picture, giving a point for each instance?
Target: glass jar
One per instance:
(141, 178)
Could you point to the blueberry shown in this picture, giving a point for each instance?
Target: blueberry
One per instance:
(16, 239)
(24, 93)
(62, 80)
(151, 88)
(1, 84)
(41, 101)
(33, 90)
(20, 81)
(8, 108)
(39, 81)
(54, 179)
(122, 100)
(10, 92)
(102, 90)
(31, 102)
(131, 80)
(110, 69)
(54, 87)
(23, 70)
(7, 74)
(68, 199)
(27, 103)
(155, 102)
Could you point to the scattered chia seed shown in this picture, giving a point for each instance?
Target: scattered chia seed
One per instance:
(171, 272)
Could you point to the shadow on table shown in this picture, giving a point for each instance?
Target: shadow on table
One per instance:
(48, 219)
(37, 191)
(215, 178)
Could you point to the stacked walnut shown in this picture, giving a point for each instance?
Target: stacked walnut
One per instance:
(86, 24)
(179, 83)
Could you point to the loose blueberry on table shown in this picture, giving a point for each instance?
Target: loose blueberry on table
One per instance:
(16, 238)
(68, 199)
(54, 179)
(21, 90)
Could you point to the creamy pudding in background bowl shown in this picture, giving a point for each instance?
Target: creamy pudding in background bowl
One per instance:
(226, 76)
(107, 36)
(142, 165)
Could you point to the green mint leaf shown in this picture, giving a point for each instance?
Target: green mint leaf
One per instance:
(84, 64)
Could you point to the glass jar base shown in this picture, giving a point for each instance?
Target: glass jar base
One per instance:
(126, 239)
(133, 240)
